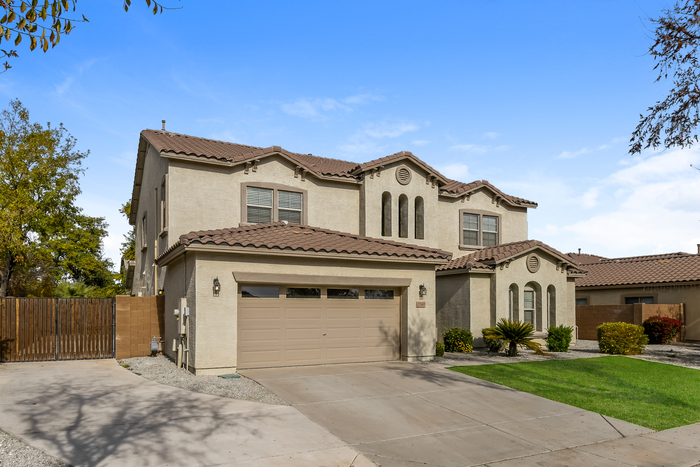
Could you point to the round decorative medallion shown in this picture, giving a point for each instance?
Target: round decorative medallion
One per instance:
(403, 175)
(533, 263)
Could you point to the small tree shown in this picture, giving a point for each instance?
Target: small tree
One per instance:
(516, 333)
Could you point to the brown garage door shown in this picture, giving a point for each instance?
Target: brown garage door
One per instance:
(287, 325)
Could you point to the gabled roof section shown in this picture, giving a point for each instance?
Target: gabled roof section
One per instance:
(399, 156)
(455, 189)
(639, 270)
(488, 258)
(281, 237)
(585, 258)
(232, 153)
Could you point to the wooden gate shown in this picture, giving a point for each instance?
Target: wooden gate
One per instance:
(36, 329)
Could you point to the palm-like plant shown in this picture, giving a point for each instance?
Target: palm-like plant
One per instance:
(515, 333)
(66, 289)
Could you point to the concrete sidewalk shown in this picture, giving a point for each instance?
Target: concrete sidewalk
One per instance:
(403, 414)
(95, 413)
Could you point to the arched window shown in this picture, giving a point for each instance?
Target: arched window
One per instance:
(532, 305)
(513, 302)
(403, 216)
(386, 214)
(419, 218)
(552, 305)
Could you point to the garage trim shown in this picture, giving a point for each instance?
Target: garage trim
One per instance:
(301, 279)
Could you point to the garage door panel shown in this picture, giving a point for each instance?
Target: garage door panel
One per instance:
(304, 313)
(304, 334)
(290, 331)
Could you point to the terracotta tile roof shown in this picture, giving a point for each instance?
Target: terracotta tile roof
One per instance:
(457, 188)
(488, 258)
(398, 157)
(652, 269)
(585, 258)
(280, 236)
(236, 153)
(233, 153)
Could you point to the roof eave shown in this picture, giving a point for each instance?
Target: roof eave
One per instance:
(138, 178)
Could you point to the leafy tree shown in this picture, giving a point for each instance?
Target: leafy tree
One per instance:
(675, 50)
(44, 236)
(516, 333)
(43, 22)
(128, 249)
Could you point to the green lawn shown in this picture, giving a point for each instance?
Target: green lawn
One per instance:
(653, 395)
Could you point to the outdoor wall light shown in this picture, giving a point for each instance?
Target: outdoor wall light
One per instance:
(422, 291)
(160, 291)
(217, 287)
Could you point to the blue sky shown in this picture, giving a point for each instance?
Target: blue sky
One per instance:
(540, 98)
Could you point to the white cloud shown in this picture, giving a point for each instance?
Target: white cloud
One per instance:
(491, 135)
(646, 208)
(319, 108)
(366, 140)
(477, 148)
(70, 79)
(420, 142)
(457, 171)
(602, 147)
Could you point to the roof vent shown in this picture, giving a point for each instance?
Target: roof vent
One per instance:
(403, 175)
(533, 263)
(163, 125)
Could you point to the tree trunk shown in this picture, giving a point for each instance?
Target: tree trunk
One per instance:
(6, 273)
(512, 349)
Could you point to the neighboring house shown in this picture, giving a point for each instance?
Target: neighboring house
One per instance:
(655, 279)
(275, 258)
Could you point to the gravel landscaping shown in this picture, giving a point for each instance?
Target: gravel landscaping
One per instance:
(16, 453)
(162, 370)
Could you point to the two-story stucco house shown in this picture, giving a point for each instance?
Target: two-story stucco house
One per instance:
(274, 258)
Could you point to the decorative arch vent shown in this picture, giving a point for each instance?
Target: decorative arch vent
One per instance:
(403, 175)
(533, 263)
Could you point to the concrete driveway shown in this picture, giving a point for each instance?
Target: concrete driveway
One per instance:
(95, 413)
(403, 414)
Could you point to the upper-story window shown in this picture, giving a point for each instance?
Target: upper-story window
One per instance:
(273, 204)
(144, 231)
(479, 230)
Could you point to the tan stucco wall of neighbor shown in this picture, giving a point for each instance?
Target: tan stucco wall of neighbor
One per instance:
(688, 294)
(374, 187)
(512, 228)
(209, 197)
(214, 345)
(483, 299)
(179, 282)
(154, 170)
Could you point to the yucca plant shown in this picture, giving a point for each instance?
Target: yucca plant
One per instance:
(515, 333)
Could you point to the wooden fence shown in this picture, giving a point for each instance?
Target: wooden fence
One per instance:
(36, 329)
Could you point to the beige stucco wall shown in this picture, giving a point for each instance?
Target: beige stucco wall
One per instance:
(688, 294)
(485, 298)
(179, 282)
(214, 346)
(154, 170)
(373, 189)
(513, 224)
(204, 196)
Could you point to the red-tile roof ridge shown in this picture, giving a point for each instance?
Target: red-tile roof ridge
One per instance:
(657, 257)
(284, 236)
(487, 258)
(457, 188)
(235, 153)
(586, 258)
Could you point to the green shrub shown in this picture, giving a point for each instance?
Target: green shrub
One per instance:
(515, 333)
(458, 340)
(621, 338)
(494, 345)
(559, 338)
(439, 349)
(661, 329)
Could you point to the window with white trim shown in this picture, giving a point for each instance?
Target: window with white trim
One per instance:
(289, 205)
(272, 204)
(529, 306)
(479, 230)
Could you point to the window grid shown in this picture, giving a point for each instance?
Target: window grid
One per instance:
(479, 230)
